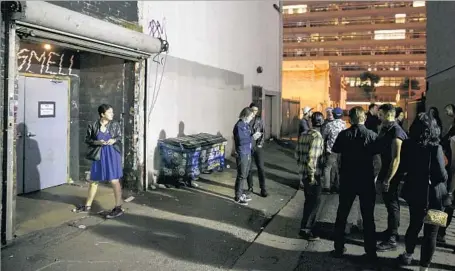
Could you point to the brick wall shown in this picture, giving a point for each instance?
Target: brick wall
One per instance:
(113, 11)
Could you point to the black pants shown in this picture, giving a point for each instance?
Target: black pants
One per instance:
(367, 198)
(331, 171)
(449, 211)
(243, 168)
(392, 204)
(417, 214)
(257, 155)
(311, 206)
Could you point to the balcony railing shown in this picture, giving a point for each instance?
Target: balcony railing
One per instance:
(355, 22)
(354, 52)
(351, 6)
(345, 37)
(380, 68)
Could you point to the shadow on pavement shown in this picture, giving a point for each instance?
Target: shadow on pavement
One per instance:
(193, 204)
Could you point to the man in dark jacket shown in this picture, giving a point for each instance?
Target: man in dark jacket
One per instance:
(243, 144)
(372, 123)
(257, 132)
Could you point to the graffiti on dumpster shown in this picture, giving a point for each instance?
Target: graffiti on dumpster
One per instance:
(45, 62)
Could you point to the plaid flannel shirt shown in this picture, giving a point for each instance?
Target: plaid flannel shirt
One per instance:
(310, 155)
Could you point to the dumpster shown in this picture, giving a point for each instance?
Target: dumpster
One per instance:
(184, 158)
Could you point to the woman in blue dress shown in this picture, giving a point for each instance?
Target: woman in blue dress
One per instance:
(103, 138)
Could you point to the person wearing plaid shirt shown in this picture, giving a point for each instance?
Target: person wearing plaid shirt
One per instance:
(310, 160)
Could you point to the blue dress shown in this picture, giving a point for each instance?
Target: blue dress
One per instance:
(109, 167)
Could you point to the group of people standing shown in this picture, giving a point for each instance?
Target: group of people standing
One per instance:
(376, 155)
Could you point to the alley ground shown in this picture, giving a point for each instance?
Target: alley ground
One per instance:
(190, 229)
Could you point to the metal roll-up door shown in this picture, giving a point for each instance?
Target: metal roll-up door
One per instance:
(40, 21)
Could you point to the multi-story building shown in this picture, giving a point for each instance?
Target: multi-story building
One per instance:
(385, 38)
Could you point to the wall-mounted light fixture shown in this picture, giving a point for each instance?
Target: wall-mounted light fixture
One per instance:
(275, 6)
(259, 69)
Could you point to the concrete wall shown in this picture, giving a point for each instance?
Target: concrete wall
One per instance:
(440, 56)
(215, 48)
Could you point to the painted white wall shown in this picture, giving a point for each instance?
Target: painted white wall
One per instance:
(237, 36)
(233, 37)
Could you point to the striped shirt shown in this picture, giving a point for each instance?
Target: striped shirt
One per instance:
(310, 155)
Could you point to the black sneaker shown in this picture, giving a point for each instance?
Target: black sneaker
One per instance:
(241, 201)
(404, 259)
(82, 209)
(338, 253)
(308, 235)
(116, 212)
(264, 193)
(389, 245)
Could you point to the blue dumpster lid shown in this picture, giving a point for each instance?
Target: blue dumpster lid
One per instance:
(194, 141)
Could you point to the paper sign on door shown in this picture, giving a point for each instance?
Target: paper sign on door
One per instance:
(46, 109)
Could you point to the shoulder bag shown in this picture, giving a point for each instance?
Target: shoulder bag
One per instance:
(433, 216)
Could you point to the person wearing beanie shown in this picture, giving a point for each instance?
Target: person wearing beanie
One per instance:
(330, 133)
(310, 160)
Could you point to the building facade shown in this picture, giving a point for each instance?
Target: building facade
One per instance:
(172, 68)
(385, 38)
(441, 57)
(218, 53)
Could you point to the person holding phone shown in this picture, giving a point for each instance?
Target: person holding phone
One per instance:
(103, 138)
(257, 132)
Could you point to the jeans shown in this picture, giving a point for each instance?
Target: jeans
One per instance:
(417, 214)
(449, 211)
(392, 204)
(367, 198)
(257, 155)
(311, 206)
(243, 168)
(331, 171)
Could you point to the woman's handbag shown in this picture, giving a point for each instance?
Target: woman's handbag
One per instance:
(94, 153)
(433, 216)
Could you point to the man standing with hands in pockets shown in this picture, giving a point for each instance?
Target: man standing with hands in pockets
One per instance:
(257, 130)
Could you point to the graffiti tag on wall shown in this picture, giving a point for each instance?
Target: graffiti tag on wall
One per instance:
(45, 62)
(157, 30)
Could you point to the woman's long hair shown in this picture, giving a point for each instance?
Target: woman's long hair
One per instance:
(425, 130)
(434, 113)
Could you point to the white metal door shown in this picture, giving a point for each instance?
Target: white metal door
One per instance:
(42, 139)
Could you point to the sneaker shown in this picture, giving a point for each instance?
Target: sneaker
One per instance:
(405, 259)
(264, 193)
(82, 209)
(246, 198)
(241, 201)
(308, 235)
(338, 253)
(116, 212)
(389, 245)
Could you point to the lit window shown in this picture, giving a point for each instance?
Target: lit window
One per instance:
(400, 18)
(299, 8)
(397, 34)
(417, 4)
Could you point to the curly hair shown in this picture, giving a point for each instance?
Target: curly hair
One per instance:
(425, 130)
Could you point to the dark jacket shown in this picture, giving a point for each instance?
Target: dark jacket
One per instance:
(112, 127)
(372, 122)
(423, 174)
(256, 125)
(242, 138)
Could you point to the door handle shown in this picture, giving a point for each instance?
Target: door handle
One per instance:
(30, 134)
